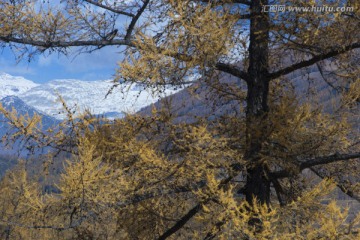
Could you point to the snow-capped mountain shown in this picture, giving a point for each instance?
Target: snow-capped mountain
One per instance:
(78, 96)
(10, 85)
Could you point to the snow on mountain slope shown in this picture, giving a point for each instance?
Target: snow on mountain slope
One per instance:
(81, 95)
(78, 95)
(10, 85)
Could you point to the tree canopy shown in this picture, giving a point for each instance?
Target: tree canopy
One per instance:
(252, 173)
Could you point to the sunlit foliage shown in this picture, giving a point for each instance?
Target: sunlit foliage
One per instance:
(265, 169)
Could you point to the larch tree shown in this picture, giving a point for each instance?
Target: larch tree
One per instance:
(281, 131)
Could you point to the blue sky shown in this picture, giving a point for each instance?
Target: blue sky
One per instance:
(98, 65)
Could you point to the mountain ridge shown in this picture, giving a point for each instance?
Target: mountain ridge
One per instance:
(14, 102)
(79, 96)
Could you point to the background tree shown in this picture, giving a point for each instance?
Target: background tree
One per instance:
(281, 132)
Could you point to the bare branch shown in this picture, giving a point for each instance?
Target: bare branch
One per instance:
(313, 60)
(233, 70)
(217, 228)
(245, 2)
(65, 44)
(339, 185)
(96, 3)
(192, 212)
(328, 159)
(140, 198)
(135, 19)
(308, 163)
(279, 191)
(73, 225)
(179, 224)
(324, 77)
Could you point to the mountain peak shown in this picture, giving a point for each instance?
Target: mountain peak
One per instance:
(14, 85)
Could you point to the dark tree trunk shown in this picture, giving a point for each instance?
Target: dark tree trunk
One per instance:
(257, 184)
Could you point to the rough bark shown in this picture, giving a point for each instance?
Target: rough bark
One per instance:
(257, 184)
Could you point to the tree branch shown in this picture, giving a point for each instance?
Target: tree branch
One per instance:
(312, 60)
(308, 163)
(96, 3)
(135, 19)
(213, 232)
(179, 224)
(328, 159)
(65, 44)
(340, 186)
(245, 2)
(192, 212)
(279, 191)
(160, 193)
(57, 228)
(233, 70)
